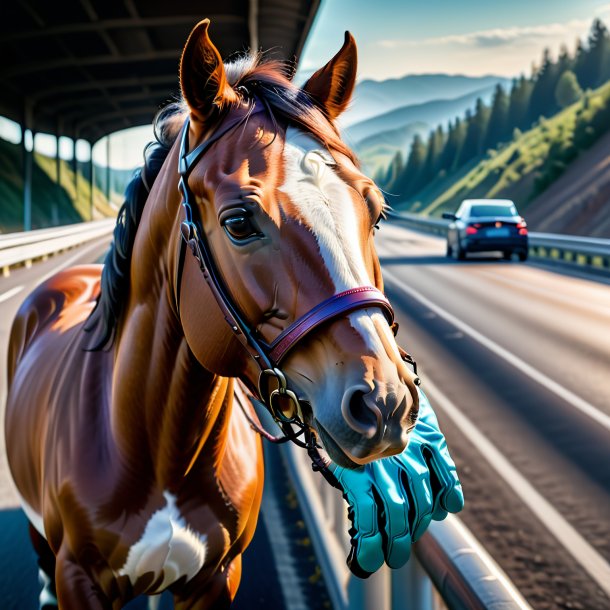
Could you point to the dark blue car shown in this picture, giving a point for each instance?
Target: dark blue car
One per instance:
(487, 225)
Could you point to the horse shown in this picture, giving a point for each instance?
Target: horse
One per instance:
(243, 252)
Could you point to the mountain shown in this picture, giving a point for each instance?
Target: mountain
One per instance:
(431, 112)
(372, 97)
(556, 172)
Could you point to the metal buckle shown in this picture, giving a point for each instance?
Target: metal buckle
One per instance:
(275, 397)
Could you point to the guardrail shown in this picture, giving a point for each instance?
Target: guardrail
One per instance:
(583, 251)
(18, 249)
(449, 570)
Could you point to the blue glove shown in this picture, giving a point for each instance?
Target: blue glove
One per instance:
(392, 500)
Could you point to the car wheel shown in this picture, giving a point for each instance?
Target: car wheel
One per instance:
(523, 256)
(449, 252)
(507, 255)
(459, 254)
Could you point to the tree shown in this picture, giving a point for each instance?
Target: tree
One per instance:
(436, 142)
(406, 182)
(498, 128)
(542, 100)
(455, 140)
(568, 90)
(476, 129)
(394, 170)
(519, 103)
(595, 70)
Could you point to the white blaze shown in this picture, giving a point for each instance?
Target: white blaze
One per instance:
(325, 204)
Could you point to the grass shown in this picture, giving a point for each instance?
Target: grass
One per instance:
(52, 203)
(509, 172)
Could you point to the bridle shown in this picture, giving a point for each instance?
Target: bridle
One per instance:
(273, 390)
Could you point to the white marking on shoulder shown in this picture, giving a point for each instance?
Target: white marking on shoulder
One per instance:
(326, 206)
(33, 517)
(169, 546)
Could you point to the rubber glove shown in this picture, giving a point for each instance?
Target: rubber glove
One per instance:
(392, 500)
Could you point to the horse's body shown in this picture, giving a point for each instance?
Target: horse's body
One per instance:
(134, 467)
(104, 477)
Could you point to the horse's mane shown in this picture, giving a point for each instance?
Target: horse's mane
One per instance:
(251, 78)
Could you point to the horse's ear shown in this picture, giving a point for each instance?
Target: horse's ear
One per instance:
(202, 74)
(332, 86)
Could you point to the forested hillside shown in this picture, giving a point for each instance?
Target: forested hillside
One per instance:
(53, 204)
(518, 144)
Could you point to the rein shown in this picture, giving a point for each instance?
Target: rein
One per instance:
(273, 390)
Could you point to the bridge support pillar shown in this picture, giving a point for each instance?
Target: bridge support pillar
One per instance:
(91, 181)
(108, 168)
(75, 170)
(27, 156)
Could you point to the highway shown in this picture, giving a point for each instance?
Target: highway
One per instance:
(515, 360)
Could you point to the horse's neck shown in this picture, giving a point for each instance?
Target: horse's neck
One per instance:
(165, 404)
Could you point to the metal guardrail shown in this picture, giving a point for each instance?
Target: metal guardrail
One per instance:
(583, 251)
(449, 568)
(18, 249)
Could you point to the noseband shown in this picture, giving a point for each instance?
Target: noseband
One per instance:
(272, 390)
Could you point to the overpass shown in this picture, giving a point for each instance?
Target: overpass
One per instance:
(86, 68)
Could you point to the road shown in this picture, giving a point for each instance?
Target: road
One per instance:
(515, 359)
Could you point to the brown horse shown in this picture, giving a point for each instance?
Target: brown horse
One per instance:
(134, 470)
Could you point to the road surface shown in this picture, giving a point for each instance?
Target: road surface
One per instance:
(515, 360)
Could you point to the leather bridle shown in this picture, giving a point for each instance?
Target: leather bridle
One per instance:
(273, 390)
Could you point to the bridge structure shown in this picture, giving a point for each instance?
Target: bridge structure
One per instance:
(87, 68)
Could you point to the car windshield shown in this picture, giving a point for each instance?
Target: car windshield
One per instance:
(493, 210)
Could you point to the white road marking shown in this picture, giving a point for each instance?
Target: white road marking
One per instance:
(563, 393)
(9, 294)
(589, 559)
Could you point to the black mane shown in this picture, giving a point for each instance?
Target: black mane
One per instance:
(115, 275)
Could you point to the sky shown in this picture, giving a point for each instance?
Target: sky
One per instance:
(398, 37)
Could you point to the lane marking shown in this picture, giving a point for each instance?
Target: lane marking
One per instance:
(589, 559)
(9, 294)
(563, 393)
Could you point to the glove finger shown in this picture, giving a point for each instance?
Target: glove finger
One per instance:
(446, 487)
(394, 515)
(416, 482)
(366, 555)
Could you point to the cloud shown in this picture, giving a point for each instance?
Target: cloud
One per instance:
(498, 37)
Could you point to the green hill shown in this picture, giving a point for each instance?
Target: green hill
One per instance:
(524, 167)
(52, 204)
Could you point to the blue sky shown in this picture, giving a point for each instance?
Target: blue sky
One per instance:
(398, 37)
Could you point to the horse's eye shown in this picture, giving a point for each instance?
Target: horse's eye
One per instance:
(240, 228)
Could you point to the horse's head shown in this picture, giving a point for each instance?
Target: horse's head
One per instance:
(290, 219)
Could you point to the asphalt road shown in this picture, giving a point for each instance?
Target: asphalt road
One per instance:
(515, 360)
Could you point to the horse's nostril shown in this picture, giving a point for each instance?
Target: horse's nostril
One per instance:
(361, 415)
